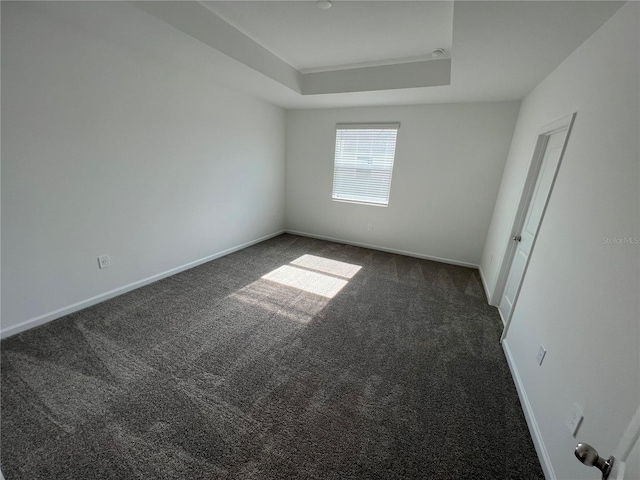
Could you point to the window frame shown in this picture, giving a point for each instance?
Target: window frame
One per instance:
(336, 167)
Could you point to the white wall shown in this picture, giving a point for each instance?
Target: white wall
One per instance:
(107, 150)
(580, 294)
(449, 162)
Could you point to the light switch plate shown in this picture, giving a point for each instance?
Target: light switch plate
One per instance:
(575, 419)
(541, 353)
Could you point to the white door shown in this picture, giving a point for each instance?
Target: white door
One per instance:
(627, 468)
(625, 464)
(527, 233)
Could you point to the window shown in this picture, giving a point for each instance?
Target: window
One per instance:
(364, 162)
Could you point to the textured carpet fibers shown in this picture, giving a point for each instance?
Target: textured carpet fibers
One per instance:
(292, 359)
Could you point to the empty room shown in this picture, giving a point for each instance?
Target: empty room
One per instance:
(320, 240)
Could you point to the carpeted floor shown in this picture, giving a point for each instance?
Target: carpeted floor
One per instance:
(292, 359)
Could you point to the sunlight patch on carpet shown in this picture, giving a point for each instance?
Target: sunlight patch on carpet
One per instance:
(326, 265)
(312, 274)
(312, 282)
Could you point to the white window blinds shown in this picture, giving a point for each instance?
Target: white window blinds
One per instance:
(364, 162)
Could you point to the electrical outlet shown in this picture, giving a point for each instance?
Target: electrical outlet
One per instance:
(575, 419)
(541, 353)
(369, 226)
(104, 261)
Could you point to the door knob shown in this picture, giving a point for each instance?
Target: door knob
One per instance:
(589, 456)
(518, 238)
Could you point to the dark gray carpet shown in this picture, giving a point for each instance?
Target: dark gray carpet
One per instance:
(217, 373)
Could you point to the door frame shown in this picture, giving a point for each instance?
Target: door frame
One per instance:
(564, 123)
(629, 439)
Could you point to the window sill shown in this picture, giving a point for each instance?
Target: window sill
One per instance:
(358, 202)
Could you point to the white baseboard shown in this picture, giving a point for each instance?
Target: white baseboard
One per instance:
(383, 249)
(61, 312)
(504, 322)
(538, 442)
(485, 285)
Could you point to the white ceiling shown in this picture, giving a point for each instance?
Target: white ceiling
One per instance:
(350, 33)
(501, 50)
